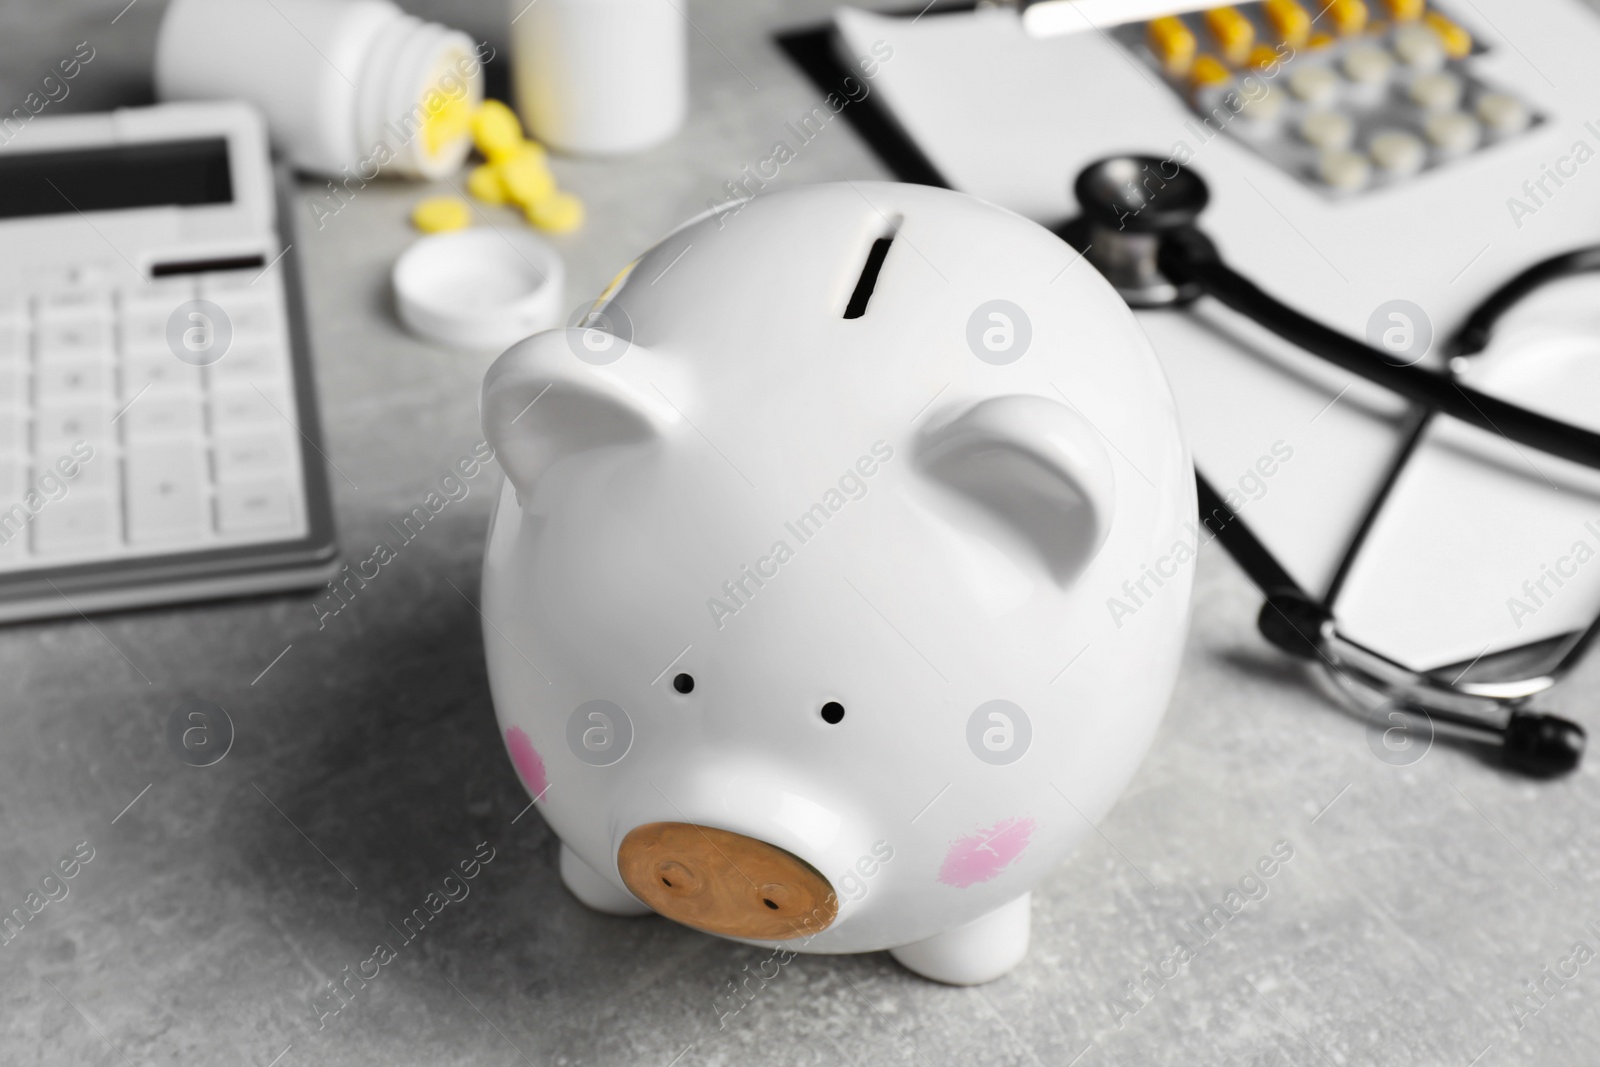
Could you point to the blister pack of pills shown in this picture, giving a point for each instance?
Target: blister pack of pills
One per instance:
(1347, 98)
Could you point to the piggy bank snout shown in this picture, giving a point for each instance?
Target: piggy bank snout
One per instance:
(725, 883)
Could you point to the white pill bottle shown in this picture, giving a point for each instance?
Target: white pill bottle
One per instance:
(348, 87)
(600, 77)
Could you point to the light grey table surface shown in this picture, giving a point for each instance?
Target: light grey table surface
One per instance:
(1418, 903)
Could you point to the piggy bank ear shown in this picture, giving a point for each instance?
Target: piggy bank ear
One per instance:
(1034, 464)
(542, 404)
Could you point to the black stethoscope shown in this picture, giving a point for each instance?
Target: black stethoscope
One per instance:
(1149, 248)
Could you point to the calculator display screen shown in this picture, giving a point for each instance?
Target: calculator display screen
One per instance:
(155, 174)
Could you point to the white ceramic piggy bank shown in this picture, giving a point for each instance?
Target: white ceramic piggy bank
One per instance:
(841, 574)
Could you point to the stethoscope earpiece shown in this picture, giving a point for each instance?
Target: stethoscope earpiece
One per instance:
(1542, 744)
(1294, 623)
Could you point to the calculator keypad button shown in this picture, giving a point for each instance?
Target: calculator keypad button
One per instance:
(74, 338)
(59, 425)
(252, 506)
(146, 331)
(250, 315)
(246, 458)
(75, 380)
(75, 304)
(184, 457)
(13, 431)
(13, 342)
(160, 373)
(233, 408)
(165, 501)
(13, 382)
(77, 522)
(157, 415)
(248, 362)
(79, 475)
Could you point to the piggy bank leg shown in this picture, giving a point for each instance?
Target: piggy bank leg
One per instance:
(593, 891)
(981, 951)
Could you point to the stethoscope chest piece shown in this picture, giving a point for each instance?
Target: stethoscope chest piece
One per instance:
(1129, 206)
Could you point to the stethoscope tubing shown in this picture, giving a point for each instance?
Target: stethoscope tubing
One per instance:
(1188, 261)
(1188, 266)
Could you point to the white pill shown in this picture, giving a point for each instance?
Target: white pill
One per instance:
(1328, 130)
(1503, 113)
(1397, 152)
(1367, 64)
(1313, 84)
(1437, 92)
(1344, 170)
(1262, 108)
(1419, 47)
(1453, 131)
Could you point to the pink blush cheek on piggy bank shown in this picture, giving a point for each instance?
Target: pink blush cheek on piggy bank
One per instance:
(530, 768)
(982, 856)
(805, 597)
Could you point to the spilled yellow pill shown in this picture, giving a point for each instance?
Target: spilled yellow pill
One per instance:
(496, 131)
(447, 122)
(559, 213)
(484, 183)
(531, 149)
(526, 179)
(439, 214)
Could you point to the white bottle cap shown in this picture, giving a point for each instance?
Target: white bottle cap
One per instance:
(479, 288)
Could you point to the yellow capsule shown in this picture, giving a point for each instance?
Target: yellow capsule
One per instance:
(1173, 44)
(1292, 21)
(560, 213)
(1209, 70)
(1263, 56)
(526, 178)
(484, 183)
(1319, 40)
(1348, 16)
(1405, 10)
(496, 131)
(1457, 41)
(439, 214)
(1234, 33)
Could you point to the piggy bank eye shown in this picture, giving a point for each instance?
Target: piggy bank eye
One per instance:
(832, 712)
(684, 683)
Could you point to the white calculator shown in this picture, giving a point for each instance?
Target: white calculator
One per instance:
(158, 430)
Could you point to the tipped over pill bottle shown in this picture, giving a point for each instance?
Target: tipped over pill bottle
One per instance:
(346, 86)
